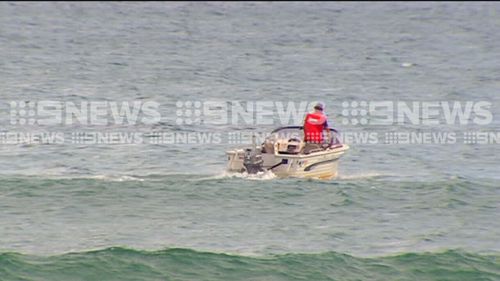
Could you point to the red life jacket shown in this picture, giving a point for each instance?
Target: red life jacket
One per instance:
(313, 127)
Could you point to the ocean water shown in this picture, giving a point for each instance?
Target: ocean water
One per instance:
(171, 212)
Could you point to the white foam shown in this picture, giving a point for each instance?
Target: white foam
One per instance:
(111, 178)
(117, 178)
(360, 176)
(51, 175)
(267, 175)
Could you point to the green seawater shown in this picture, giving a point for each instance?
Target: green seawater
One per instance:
(184, 264)
(233, 228)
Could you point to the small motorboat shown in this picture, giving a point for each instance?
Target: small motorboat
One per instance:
(286, 154)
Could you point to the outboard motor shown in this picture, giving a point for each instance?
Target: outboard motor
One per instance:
(253, 161)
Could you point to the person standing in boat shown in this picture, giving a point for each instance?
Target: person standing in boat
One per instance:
(314, 124)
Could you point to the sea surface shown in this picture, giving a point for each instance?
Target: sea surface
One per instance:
(170, 211)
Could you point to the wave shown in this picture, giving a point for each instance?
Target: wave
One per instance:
(362, 176)
(348, 176)
(117, 178)
(267, 175)
(185, 264)
(102, 177)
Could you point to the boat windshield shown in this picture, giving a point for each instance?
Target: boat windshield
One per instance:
(297, 132)
(288, 133)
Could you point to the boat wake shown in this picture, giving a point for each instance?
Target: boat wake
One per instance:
(111, 178)
(100, 177)
(362, 176)
(267, 175)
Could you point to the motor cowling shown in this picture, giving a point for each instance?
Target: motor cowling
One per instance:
(253, 161)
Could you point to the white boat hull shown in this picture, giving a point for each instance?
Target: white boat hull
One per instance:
(322, 165)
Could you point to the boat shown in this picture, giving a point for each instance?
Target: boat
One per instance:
(285, 153)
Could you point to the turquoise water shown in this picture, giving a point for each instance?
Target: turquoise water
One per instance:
(171, 212)
(370, 228)
(183, 264)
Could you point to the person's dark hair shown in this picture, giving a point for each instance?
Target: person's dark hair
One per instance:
(318, 107)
